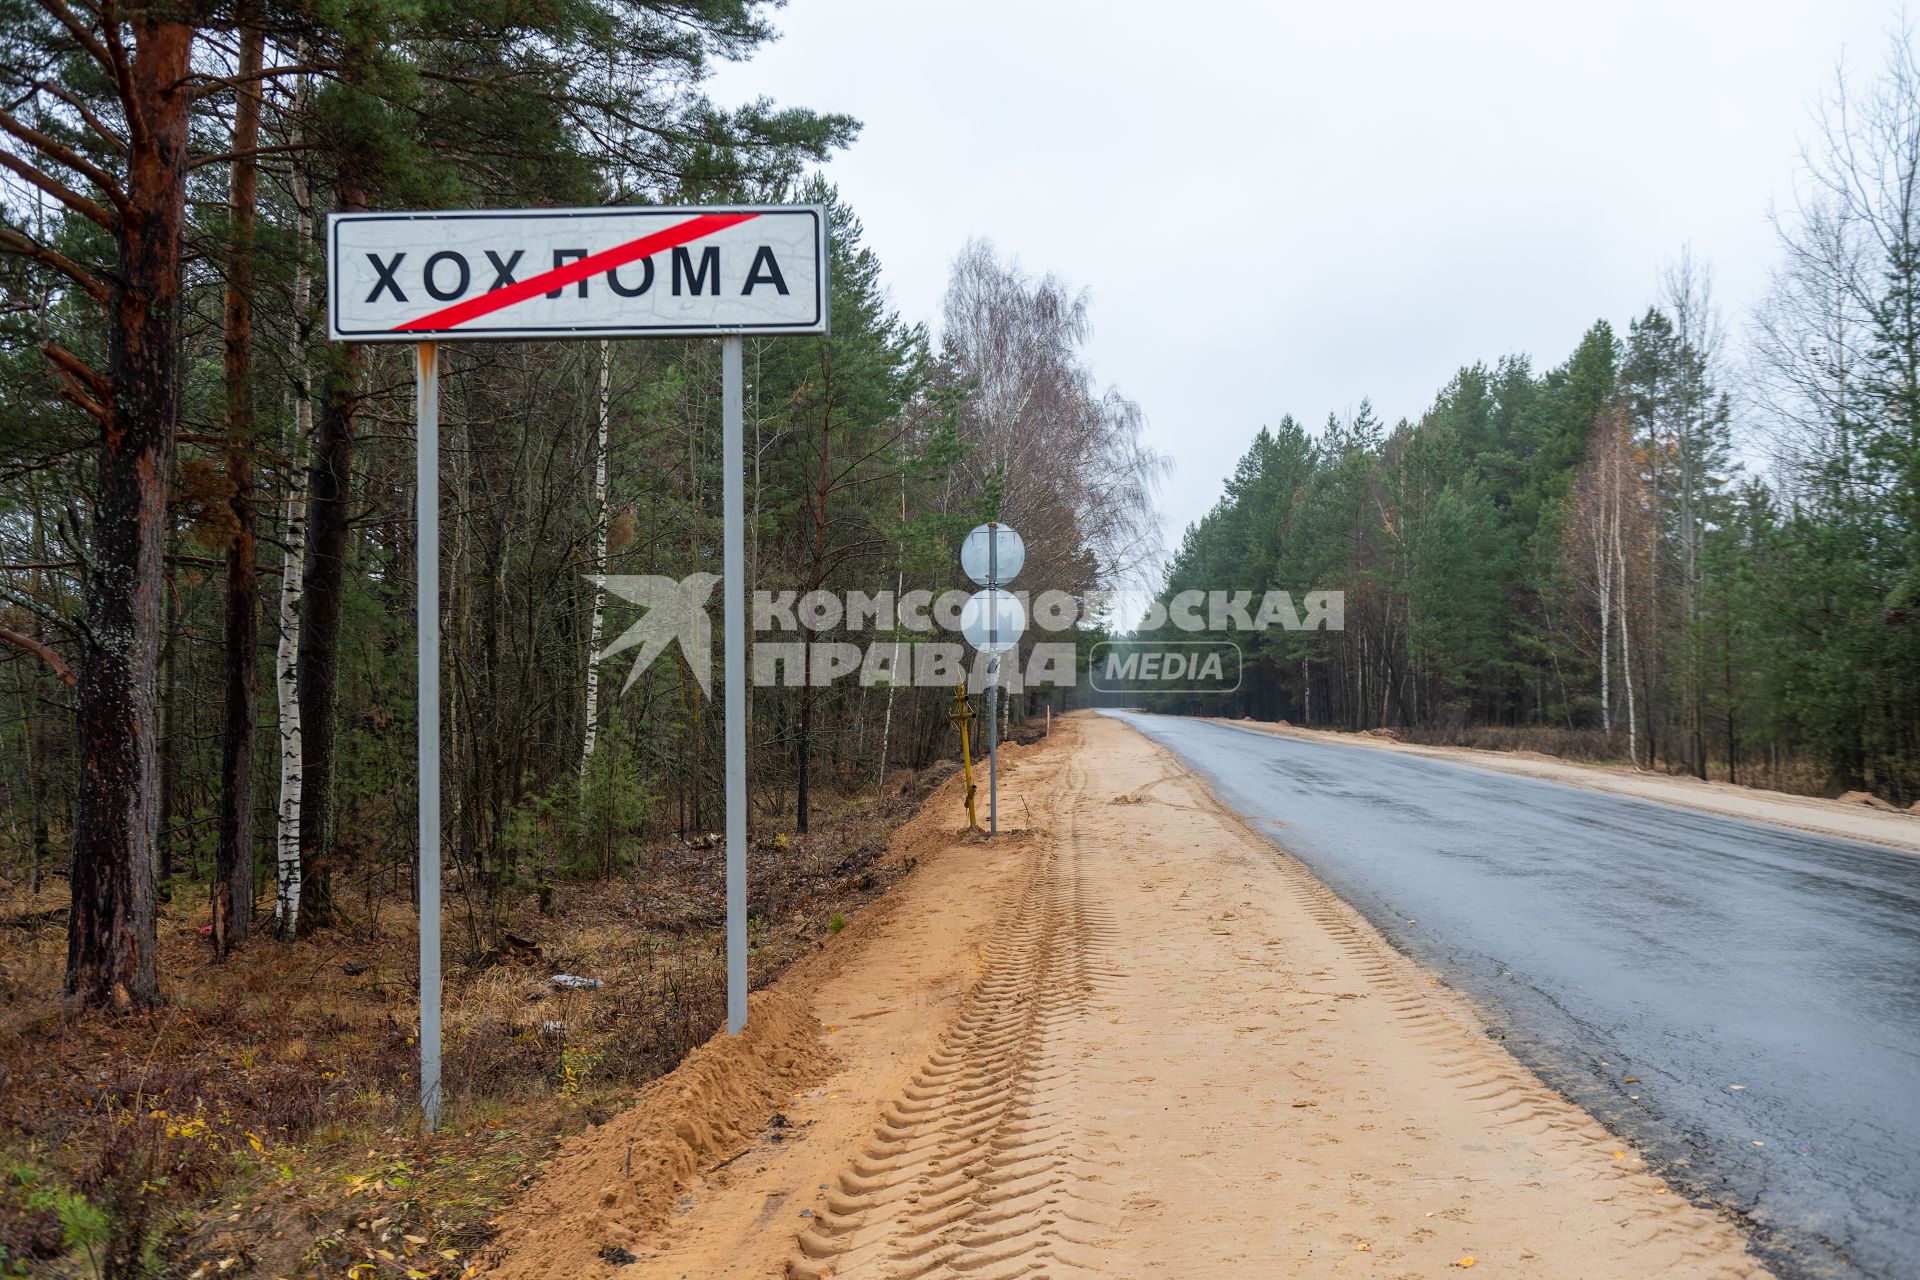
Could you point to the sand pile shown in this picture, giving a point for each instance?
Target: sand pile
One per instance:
(614, 1186)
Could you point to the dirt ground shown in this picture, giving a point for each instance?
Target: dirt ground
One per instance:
(1846, 819)
(1130, 1039)
(262, 1122)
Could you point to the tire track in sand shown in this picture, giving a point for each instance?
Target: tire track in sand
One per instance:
(965, 1173)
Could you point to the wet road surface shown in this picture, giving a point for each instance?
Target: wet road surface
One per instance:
(1644, 960)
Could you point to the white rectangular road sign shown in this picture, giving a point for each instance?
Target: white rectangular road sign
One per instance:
(577, 273)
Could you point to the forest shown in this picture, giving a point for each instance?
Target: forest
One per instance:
(205, 507)
(208, 786)
(1687, 546)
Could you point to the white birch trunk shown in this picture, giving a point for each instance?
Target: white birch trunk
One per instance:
(286, 900)
(1626, 648)
(1603, 577)
(899, 585)
(893, 685)
(286, 896)
(602, 519)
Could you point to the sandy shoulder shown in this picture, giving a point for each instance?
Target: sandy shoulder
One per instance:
(1137, 1040)
(1848, 821)
(723, 1192)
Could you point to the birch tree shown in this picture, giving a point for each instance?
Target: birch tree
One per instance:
(286, 658)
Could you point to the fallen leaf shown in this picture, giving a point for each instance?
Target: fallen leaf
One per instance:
(1363, 1247)
(1463, 1262)
(1736, 1087)
(1631, 1080)
(1619, 1155)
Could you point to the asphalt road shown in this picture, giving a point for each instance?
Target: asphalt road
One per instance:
(1606, 938)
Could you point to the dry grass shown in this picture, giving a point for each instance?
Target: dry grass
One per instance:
(1590, 745)
(263, 1118)
(1793, 774)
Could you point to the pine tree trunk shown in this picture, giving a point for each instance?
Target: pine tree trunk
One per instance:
(233, 859)
(1727, 684)
(168, 717)
(33, 742)
(111, 936)
(590, 730)
(803, 799)
(36, 786)
(802, 789)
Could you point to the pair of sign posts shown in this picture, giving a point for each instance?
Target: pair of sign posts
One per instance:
(549, 274)
(992, 621)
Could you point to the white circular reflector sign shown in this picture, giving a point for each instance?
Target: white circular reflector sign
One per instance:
(992, 620)
(992, 554)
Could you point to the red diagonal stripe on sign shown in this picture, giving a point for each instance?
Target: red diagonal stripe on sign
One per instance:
(547, 281)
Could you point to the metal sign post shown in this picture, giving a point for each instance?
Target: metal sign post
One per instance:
(426, 626)
(640, 272)
(734, 583)
(993, 555)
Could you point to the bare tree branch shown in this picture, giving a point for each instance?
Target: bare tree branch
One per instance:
(21, 245)
(84, 111)
(40, 651)
(60, 153)
(78, 203)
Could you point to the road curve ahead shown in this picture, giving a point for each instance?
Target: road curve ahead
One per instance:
(1741, 1001)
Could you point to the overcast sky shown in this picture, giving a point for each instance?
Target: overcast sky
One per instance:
(1283, 208)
